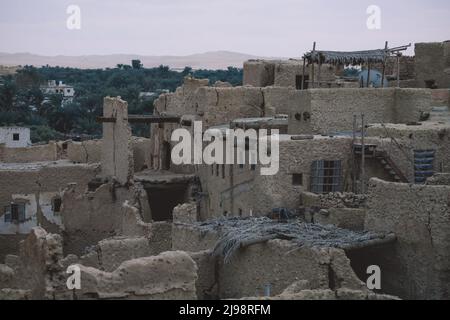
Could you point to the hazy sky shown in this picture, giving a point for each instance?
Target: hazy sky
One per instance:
(284, 28)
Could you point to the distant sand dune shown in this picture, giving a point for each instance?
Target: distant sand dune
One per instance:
(209, 60)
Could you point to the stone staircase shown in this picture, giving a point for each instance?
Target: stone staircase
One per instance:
(385, 160)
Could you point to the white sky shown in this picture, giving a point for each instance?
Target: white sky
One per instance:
(284, 28)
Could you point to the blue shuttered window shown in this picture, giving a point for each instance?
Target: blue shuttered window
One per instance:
(326, 176)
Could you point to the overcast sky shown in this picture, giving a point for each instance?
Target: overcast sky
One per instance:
(283, 28)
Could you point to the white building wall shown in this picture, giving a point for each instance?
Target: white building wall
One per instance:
(15, 137)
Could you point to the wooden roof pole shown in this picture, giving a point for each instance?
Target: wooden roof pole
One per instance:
(312, 71)
(384, 65)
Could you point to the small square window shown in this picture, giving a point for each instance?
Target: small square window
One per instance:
(16, 136)
(297, 179)
(253, 167)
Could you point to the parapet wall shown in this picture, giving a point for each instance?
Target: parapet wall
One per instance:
(46, 152)
(433, 63)
(419, 265)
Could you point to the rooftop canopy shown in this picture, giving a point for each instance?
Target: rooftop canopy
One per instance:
(346, 58)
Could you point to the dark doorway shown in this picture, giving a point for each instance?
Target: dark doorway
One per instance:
(299, 80)
(166, 155)
(162, 199)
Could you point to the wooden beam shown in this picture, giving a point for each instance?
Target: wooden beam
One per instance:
(153, 119)
(312, 71)
(363, 155)
(388, 239)
(105, 119)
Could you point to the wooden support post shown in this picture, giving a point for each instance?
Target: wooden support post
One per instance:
(312, 70)
(363, 156)
(303, 74)
(318, 72)
(384, 64)
(353, 155)
(398, 70)
(368, 73)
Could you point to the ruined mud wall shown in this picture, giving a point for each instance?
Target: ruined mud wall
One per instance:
(269, 266)
(418, 266)
(171, 275)
(85, 151)
(36, 272)
(259, 73)
(92, 216)
(90, 152)
(36, 187)
(433, 63)
(117, 152)
(46, 152)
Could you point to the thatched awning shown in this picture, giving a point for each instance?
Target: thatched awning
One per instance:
(346, 58)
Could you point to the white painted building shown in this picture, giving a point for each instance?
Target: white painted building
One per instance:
(53, 87)
(15, 137)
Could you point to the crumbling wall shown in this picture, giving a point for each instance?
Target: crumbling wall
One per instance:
(117, 152)
(141, 153)
(272, 265)
(37, 271)
(110, 253)
(433, 63)
(170, 275)
(343, 210)
(418, 266)
(92, 216)
(85, 151)
(45, 152)
(36, 186)
(90, 152)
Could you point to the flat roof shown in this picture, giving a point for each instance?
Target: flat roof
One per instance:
(36, 166)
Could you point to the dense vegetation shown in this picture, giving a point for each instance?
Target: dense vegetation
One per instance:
(22, 102)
